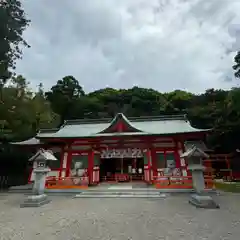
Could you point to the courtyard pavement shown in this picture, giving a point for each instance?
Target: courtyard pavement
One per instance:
(170, 218)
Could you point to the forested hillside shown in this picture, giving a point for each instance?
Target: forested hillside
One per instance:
(24, 112)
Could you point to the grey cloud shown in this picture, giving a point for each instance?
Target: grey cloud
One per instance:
(166, 45)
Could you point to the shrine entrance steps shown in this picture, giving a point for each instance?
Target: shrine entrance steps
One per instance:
(123, 185)
(121, 190)
(121, 194)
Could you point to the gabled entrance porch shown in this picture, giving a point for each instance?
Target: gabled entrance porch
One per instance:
(122, 165)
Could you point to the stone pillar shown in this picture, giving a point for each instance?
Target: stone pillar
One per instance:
(40, 180)
(195, 166)
(197, 177)
(38, 197)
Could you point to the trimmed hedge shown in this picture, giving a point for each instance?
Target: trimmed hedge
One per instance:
(228, 187)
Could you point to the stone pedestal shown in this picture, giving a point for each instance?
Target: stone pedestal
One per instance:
(203, 201)
(35, 201)
(38, 198)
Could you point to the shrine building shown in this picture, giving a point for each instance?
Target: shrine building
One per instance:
(120, 149)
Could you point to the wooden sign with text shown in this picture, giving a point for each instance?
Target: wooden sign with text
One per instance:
(122, 153)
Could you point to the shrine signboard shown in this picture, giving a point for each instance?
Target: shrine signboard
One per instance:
(122, 153)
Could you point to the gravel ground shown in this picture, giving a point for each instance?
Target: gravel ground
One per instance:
(139, 219)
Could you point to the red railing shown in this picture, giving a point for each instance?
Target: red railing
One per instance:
(66, 182)
(179, 182)
(227, 172)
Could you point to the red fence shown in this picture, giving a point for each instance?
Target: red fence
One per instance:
(222, 166)
(179, 182)
(66, 182)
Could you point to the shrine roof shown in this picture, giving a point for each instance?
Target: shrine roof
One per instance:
(159, 125)
(31, 141)
(35, 141)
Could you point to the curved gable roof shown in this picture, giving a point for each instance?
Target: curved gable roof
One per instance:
(120, 124)
(163, 125)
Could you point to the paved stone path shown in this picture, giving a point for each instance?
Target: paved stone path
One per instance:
(119, 219)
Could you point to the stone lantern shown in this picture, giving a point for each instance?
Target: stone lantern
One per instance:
(40, 172)
(194, 156)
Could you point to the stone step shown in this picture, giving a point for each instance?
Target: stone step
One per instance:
(120, 190)
(120, 193)
(20, 191)
(120, 196)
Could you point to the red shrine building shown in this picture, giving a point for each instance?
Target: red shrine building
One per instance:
(119, 149)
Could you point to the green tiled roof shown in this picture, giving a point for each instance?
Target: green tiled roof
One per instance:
(163, 125)
(31, 141)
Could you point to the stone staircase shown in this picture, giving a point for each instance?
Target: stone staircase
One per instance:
(121, 193)
(21, 189)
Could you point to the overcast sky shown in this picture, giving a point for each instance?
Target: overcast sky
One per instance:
(160, 44)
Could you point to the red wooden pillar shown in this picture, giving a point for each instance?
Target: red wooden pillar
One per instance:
(208, 164)
(149, 158)
(69, 161)
(134, 163)
(150, 165)
(177, 156)
(229, 167)
(154, 162)
(62, 162)
(90, 166)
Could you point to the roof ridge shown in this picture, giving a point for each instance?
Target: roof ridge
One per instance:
(141, 118)
(48, 130)
(160, 117)
(87, 120)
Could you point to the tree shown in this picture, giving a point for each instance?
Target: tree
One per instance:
(12, 24)
(20, 84)
(41, 114)
(24, 112)
(236, 67)
(63, 95)
(179, 100)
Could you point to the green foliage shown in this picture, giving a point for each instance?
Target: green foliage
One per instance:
(216, 109)
(23, 112)
(236, 67)
(63, 95)
(12, 24)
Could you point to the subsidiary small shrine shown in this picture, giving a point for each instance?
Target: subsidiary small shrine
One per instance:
(120, 149)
